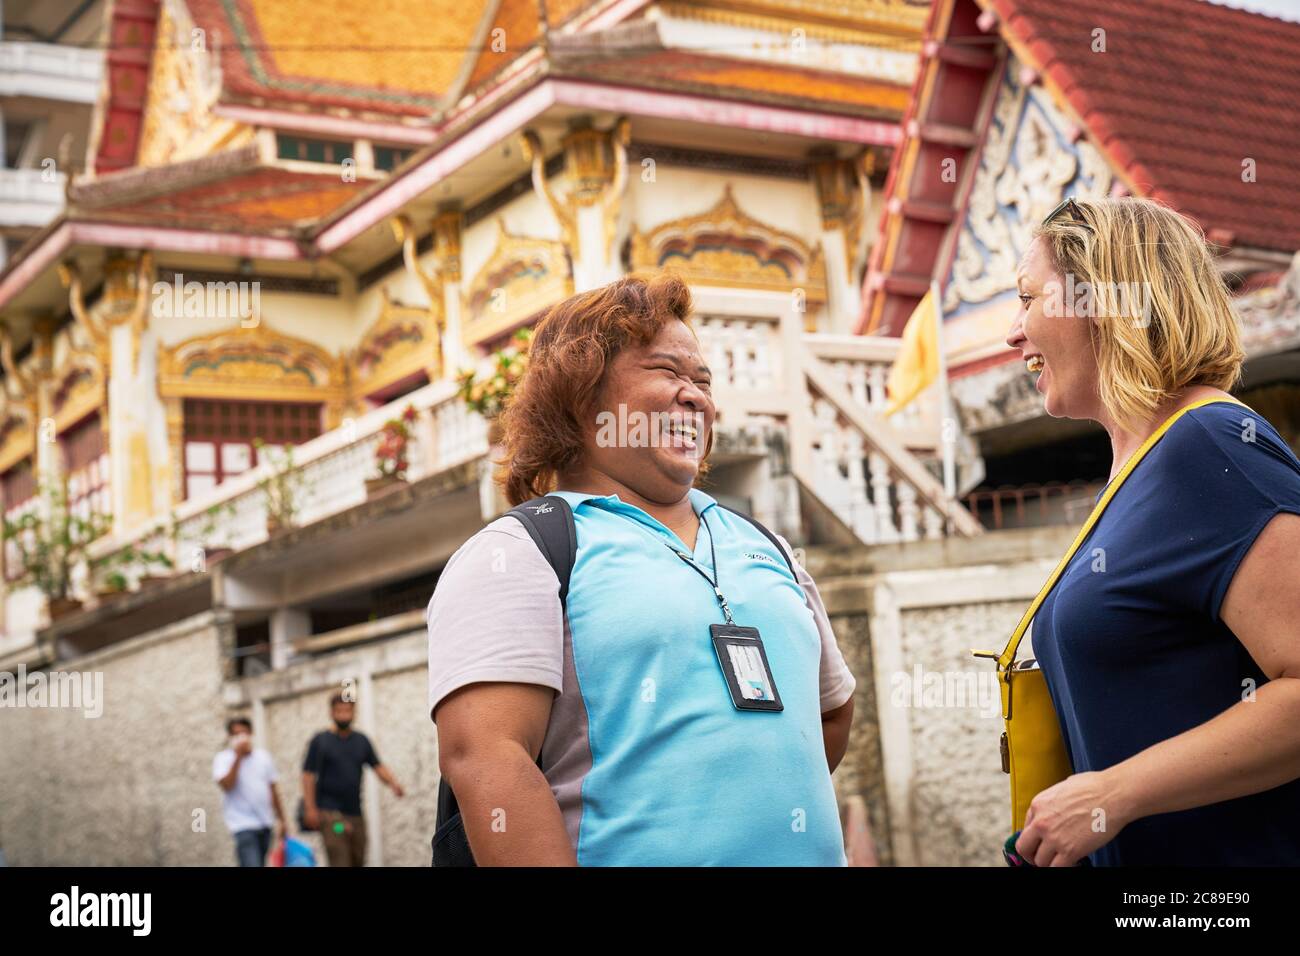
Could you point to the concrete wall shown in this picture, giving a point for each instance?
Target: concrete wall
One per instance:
(122, 789)
(924, 750)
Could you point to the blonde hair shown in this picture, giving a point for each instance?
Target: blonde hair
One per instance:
(1188, 337)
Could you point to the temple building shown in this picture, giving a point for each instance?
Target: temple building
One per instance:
(51, 72)
(295, 224)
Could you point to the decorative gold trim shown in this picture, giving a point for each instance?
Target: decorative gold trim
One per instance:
(128, 289)
(17, 440)
(399, 343)
(883, 21)
(612, 201)
(15, 374)
(446, 241)
(724, 246)
(531, 146)
(595, 163)
(520, 278)
(432, 282)
(81, 380)
(447, 227)
(70, 276)
(255, 364)
(175, 407)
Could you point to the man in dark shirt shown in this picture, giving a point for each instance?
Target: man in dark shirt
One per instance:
(331, 785)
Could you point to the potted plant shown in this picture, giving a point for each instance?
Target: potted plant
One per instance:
(391, 453)
(490, 394)
(213, 533)
(113, 572)
(283, 490)
(50, 542)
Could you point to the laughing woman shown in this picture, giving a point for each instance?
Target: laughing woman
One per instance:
(1175, 671)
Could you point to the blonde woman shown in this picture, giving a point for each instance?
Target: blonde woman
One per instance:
(1170, 645)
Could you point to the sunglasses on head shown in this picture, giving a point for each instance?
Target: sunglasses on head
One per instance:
(1068, 205)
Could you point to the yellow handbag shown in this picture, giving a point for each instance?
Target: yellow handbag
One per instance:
(1033, 751)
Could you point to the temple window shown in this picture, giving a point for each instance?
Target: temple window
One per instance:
(18, 488)
(220, 436)
(388, 158)
(313, 150)
(85, 464)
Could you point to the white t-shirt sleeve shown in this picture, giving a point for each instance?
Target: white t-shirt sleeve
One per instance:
(495, 615)
(268, 767)
(837, 682)
(222, 763)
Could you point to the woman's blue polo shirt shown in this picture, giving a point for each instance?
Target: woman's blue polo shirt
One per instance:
(648, 758)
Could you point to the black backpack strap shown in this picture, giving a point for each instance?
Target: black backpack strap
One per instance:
(549, 522)
(767, 534)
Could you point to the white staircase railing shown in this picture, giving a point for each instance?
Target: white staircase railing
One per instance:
(829, 391)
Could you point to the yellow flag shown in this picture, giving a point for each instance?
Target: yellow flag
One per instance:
(917, 363)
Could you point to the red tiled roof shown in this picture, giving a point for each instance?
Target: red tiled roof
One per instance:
(227, 192)
(1184, 94)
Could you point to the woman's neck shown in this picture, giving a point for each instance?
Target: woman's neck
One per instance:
(1123, 443)
(679, 516)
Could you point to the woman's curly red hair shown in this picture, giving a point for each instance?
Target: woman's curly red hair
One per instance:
(571, 349)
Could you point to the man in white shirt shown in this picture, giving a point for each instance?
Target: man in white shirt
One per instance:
(250, 800)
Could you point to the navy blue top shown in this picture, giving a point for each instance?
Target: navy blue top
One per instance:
(1130, 640)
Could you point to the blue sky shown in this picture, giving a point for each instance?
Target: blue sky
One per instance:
(1286, 9)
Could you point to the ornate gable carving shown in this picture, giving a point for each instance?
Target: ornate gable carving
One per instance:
(250, 363)
(400, 342)
(521, 278)
(725, 246)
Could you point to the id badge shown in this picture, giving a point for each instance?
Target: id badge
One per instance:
(744, 665)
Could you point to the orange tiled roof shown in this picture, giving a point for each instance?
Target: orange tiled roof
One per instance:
(230, 192)
(519, 22)
(733, 78)
(390, 57)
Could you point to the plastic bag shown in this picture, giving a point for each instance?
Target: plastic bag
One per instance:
(296, 853)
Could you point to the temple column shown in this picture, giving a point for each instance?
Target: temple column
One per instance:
(447, 227)
(49, 463)
(596, 171)
(137, 434)
(842, 193)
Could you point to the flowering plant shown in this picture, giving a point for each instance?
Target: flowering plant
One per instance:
(394, 441)
(489, 395)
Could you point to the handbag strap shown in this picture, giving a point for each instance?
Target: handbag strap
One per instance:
(1008, 654)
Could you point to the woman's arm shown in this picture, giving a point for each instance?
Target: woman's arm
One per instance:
(489, 736)
(1251, 747)
(835, 732)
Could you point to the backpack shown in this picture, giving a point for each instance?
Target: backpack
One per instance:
(549, 522)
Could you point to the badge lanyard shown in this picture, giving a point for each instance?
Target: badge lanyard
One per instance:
(713, 581)
(740, 650)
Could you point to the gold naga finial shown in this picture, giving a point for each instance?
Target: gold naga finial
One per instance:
(406, 236)
(432, 282)
(70, 276)
(26, 385)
